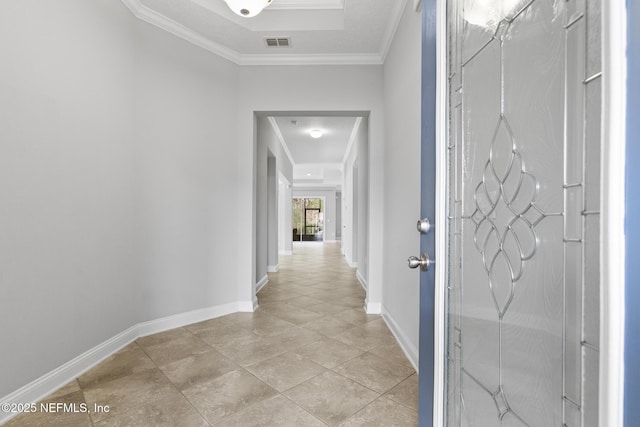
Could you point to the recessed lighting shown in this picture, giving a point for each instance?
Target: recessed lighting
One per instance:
(308, 174)
(315, 133)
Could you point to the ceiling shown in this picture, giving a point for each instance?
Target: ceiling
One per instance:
(329, 148)
(320, 31)
(316, 161)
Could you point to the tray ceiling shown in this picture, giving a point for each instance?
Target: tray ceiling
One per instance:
(319, 31)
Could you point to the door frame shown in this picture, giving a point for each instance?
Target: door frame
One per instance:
(632, 297)
(612, 234)
(612, 237)
(441, 215)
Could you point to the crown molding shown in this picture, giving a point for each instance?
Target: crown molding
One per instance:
(334, 165)
(311, 186)
(156, 19)
(396, 17)
(311, 59)
(283, 142)
(307, 4)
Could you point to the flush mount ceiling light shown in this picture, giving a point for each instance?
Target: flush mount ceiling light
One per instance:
(315, 133)
(247, 8)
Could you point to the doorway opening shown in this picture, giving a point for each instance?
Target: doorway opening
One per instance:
(308, 219)
(311, 189)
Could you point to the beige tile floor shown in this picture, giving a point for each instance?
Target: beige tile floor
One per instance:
(309, 356)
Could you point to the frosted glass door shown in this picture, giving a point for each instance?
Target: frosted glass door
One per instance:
(523, 207)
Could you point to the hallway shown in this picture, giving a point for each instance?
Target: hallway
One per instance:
(309, 356)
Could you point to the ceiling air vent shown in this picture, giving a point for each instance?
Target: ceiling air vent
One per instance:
(277, 41)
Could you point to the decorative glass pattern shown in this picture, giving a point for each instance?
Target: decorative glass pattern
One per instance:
(504, 201)
(523, 213)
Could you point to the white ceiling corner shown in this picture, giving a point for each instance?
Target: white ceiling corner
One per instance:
(307, 4)
(352, 138)
(394, 23)
(285, 147)
(342, 32)
(152, 17)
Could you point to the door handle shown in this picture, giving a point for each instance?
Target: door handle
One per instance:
(424, 262)
(424, 226)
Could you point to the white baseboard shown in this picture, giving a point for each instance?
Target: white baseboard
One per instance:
(409, 349)
(182, 319)
(331, 241)
(351, 263)
(248, 306)
(60, 376)
(363, 282)
(373, 307)
(273, 268)
(285, 252)
(261, 284)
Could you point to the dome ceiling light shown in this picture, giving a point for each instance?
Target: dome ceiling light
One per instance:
(315, 133)
(247, 8)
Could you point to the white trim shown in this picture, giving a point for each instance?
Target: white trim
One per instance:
(441, 216)
(312, 59)
(154, 18)
(405, 344)
(285, 252)
(178, 320)
(331, 241)
(363, 282)
(612, 273)
(373, 307)
(60, 376)
(335, 165)
(248, 306)
(306, 186)
(394, 23)
(285, 147)
(307, 4)
(53, 380)
(273, 268)
(352, 138)
(350, 263)
(262, 282)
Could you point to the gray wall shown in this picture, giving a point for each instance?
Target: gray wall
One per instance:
(362, 253)
(285, 219)
(185, 119)
(127, 175)
(272, 214)
(349, 220)
(268, 145)
(401, 289)
(115, 160)
(335, 88)
(69, 264)
(355, 206)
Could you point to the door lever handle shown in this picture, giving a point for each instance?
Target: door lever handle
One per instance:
(424, 262)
